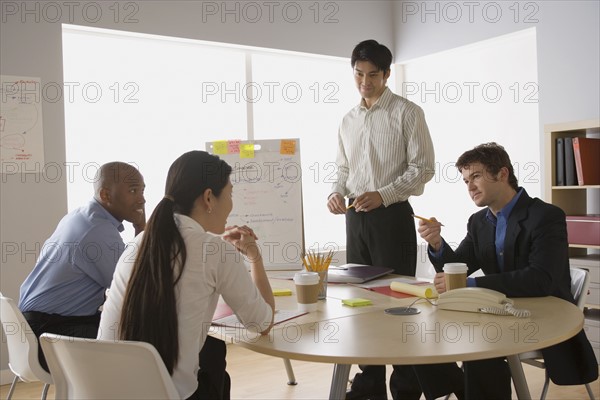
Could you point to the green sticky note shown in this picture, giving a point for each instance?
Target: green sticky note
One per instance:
(357, 302)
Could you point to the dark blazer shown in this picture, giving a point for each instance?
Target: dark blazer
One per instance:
(536, 262)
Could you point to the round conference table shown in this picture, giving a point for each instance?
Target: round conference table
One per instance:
(343, 335)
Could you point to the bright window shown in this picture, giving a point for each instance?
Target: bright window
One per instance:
(483, 92)
(147, 99)
(311, 97)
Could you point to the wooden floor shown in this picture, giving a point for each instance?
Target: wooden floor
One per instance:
(255, 376)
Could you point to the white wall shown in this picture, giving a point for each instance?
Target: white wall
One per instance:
(568, 43)
(30, 42)
(474, 94)
(568, 52)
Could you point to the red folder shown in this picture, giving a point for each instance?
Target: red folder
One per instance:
(587, 154)
(389, 292)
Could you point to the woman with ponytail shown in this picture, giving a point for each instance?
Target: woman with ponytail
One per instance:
(167, 283)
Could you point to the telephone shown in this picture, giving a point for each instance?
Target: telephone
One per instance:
(476, 299)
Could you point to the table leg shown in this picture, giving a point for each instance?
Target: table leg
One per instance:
(518, 376)
(290, 372)
(339, 381)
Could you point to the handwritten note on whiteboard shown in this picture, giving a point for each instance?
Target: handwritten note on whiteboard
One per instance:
(21, 129)
(267, 196)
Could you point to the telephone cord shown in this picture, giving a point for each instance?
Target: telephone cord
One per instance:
(509, 309)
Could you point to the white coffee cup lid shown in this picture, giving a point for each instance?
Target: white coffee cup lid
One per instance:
(306, 278)
(455, 268)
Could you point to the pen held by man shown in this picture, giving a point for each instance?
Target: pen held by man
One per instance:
(366, 202)
(430, 230)
(431, 220)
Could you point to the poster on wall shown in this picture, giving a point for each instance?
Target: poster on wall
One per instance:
(21, 133)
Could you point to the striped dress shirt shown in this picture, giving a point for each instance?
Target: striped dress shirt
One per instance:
(386, 148)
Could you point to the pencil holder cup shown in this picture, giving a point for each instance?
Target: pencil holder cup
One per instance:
(322, 284)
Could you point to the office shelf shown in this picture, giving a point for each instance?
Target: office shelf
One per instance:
(574, 201)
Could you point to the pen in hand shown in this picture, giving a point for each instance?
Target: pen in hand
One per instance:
(426, 219)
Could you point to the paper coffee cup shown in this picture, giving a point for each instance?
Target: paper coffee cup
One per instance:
(456, 275)
(307, 290)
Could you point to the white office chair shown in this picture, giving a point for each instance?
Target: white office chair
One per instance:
(580, 281)
(22, 348)
(106, 369)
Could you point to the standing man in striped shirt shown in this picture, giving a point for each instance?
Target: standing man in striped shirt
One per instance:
(385, 155)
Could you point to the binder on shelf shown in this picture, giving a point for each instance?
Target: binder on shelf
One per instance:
(570, 169)
(584, 229)
(560, 162)
(587, 154)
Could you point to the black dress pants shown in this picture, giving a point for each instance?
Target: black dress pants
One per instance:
(387, 237)
(384, 237)
(83, 327)
(487, 379)
(409, 382)
(214, 382)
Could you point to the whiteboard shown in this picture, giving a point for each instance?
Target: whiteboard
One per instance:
(267, 195)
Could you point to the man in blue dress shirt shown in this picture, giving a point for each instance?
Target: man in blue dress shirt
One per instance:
(520, 243)
(75, 267)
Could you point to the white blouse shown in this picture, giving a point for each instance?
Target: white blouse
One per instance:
(213, 267)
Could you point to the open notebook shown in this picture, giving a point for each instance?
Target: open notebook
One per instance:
(356, 273)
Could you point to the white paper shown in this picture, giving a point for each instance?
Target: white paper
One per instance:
(21, 127)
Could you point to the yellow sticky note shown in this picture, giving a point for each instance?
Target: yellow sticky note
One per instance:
(247, 150)
(357, 302)
(282, 292)
(220, 147)
(287, 147)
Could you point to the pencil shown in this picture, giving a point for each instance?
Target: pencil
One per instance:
(316, 262)
(426, 219)
(350, 206)
(305, 265)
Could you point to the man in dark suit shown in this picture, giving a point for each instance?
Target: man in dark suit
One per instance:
(520, 243)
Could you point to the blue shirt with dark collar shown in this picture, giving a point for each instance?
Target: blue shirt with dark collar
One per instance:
(75, 265)
(500, 222)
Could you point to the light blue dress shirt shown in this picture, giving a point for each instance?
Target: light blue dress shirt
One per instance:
(76, 264)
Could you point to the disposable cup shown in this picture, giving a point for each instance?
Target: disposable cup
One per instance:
(456, 275)
(307, 290)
